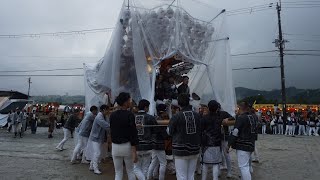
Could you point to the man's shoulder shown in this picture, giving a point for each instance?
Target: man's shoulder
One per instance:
(225, 114)
(243, 117)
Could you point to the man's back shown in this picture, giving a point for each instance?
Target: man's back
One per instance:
(185, 129)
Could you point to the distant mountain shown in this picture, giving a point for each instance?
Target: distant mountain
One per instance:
(60, 99)
(294, 95)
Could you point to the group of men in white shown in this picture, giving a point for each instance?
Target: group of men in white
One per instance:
(138, 140)
(17, 120)
(294, 125)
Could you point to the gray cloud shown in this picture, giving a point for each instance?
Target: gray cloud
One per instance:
(248, 33)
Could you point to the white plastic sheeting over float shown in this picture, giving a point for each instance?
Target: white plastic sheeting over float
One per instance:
(151, 31)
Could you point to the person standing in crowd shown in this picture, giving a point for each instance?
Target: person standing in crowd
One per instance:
(212, 138)
(9, 121)
(255, 154)
(145, 141)
(274, 125)
(124, 137)
(84, 133)
(51, 124)
(226, 159)
(289, 126)
(17, 121)
(185, 129)
(62, 121)
(243, 138)
(312, 124)
(24, 121)
(264, 125)
(98, 136)
(317, 125)
(294, 124)
(158, 156)
(184, 88)
(68, 128)
(33, 123)
(280, 125)
(301, 125)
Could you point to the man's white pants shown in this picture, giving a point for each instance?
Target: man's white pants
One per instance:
(244, 164)
(66, 136)
(215, 171)
(185, 167)
(141, 168)
(312, 129)
(280, 128)
(302, 130)
(317, 131)
(17, 127)
(120, 153)
(158, 156)
(293, 130)
(274, 129)
(96, 154)
(24, 125)
(81, 146)
(226, 160)
(255, 153)
(264, 128)
(9, 125)
(288, 129)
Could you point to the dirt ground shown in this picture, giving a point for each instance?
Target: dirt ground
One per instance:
(34, 157)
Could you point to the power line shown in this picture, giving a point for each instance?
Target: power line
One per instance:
(248, 12)
(57, 75)
(57, 34)
(311, 50)
(301, 54)
(249, 8)
(307, 40)
(53, 57)
(249, 56)
(258, 52)
(256, 68)
(41, 75)
(291, 34)
(41, 70)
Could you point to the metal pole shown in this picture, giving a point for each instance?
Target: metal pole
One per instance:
(281, 48)
(29, 82)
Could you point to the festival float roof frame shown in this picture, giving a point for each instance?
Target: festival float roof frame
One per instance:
(152, 31)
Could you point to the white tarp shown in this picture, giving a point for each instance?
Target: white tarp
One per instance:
(3, 119)
(149, 31)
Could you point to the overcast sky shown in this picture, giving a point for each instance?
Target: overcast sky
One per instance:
(248, 33)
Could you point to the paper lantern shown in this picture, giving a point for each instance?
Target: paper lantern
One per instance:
(165, 21)
(186, 17)
(126, 14)
(170, 13)
(153, 15)
(172, 23)
(161, 12)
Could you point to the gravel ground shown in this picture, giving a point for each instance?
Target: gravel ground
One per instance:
(34, 157)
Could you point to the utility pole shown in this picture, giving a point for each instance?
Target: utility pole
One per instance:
(280, 43)
(29, 83)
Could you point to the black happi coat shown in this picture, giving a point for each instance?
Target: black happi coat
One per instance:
(185, 129)
(246, 124)
(145, 133)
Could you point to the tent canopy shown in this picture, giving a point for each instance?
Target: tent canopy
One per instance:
(151, 31)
